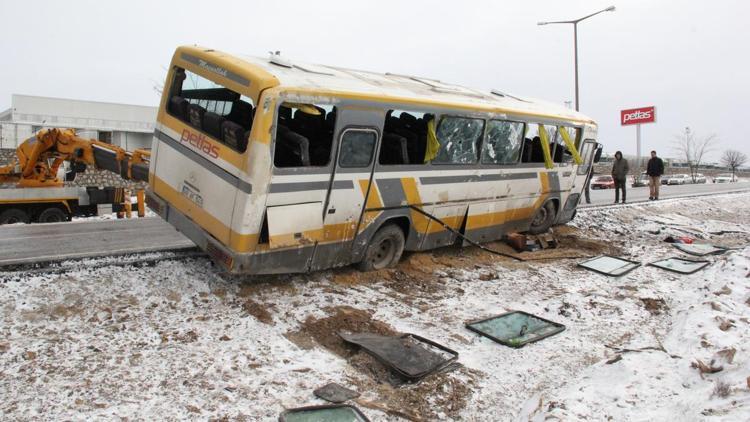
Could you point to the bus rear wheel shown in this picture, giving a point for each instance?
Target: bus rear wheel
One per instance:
(14, 215)
(52, 215)
(543, 218)
(384, 250)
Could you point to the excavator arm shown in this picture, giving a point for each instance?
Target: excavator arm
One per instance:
(39, 158)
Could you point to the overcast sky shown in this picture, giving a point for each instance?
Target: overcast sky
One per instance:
(688, 58)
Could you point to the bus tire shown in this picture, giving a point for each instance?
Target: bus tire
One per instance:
(14, 215)
(543, 218)
(52, 215)
(384, 250)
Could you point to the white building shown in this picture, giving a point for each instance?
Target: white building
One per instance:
(125, 125)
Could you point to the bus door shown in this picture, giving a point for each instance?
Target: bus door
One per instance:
(587, 155)
(349, 187)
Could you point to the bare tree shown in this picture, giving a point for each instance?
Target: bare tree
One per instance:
(733, 159)
(693, 147)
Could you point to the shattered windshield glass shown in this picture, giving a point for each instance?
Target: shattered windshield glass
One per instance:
(609, 265)
(516, 328)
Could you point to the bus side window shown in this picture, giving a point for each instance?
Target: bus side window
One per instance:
(503, 142)
(562, 153)
(404, 138)
(459, 139)
(532, 145)
(304, 135)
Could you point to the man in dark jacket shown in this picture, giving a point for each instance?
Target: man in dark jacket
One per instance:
(654, 170)
(620, 170)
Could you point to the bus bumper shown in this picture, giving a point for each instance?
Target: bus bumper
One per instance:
(218, 253)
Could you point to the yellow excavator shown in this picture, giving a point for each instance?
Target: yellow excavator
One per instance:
(37, 192)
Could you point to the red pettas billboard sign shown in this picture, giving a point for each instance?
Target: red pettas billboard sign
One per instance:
(636, 116)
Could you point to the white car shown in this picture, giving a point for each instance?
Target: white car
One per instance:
(679, 179)
(699, 178)
(725, 178)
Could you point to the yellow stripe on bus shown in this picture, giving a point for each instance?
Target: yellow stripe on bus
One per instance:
(236, 241)
(373, 202)
(420, 222)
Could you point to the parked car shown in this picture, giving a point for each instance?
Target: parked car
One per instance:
(639, 181)
(699, 178)
(602, 182)
(725, 178)
(679, 179)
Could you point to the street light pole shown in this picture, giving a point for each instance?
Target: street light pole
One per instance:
(575, 22)
(575, 53)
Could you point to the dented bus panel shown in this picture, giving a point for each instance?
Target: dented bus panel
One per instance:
(273, 167)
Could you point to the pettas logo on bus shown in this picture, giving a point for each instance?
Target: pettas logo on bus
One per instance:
(199, 141)
(638, 115)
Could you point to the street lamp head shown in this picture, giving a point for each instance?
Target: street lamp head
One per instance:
(610, 9)
(541, 23)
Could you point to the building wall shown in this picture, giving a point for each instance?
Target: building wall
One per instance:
(130, 126)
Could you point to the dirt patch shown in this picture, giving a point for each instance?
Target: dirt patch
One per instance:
(438, 396)
(654, 306)
(343, 318)
(260, 285)
(444, 392)
(259, 311)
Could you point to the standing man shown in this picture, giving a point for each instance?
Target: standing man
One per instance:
(654, 170)
(620, 170)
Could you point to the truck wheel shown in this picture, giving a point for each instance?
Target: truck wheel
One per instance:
(384, 250)
(52, 215)
(14, 215)
(543, 218)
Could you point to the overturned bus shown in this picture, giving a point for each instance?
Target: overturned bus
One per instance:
(276, 166)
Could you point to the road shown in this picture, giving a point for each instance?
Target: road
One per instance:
(36, 243)
(607, 196)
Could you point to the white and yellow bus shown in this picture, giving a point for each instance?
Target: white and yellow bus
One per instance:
(274, 166)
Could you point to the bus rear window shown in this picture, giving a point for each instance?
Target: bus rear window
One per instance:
(224, 115)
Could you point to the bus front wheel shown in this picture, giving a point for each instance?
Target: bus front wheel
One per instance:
(543, 218)
(385, 249)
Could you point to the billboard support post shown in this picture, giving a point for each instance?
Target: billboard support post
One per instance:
(638, 147)
(637, 116)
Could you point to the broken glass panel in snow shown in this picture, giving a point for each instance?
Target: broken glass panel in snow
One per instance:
(699, 249)
(679, 265)
(411, 356)
(609, 265)
(335, 393)
(515, 329)
(330, 413)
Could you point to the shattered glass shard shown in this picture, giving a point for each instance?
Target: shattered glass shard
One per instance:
(335, 393)
(515, 329)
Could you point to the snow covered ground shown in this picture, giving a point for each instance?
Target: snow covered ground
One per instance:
(177, 340)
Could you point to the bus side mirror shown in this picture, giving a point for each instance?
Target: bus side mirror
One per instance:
(598, 153)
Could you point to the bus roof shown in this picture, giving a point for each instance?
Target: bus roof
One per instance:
(314, 77)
